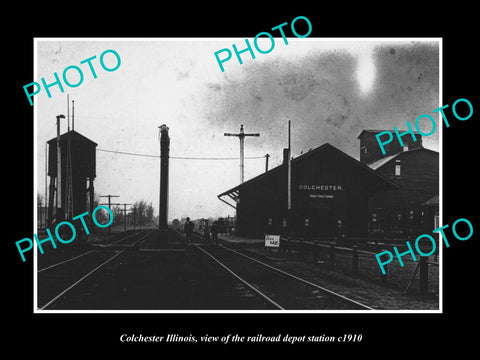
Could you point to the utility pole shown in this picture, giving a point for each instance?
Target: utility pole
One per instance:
(73, 115)
(289, 171)
(125, 216)
(241, 136)
(68, 180)
(59, 209)
(46, 180)
(134, 217)
(124, 213)
(68, 113)
(109, 205)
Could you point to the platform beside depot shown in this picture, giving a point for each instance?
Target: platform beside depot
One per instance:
(237, 239)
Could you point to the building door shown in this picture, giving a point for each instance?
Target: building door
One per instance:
(321, 218)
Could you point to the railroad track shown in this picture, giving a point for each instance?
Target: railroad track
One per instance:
(57, 279)
(176, 278)
(281, 289)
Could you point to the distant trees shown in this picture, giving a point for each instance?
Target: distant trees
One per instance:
(40, 200)
(96, 201)
(41, 211)
(117, 214)
(140, 213)
(143, 212)
(102, 216)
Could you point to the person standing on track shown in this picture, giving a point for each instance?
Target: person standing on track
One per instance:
(206, 232)
(188, 230)
(214, 232)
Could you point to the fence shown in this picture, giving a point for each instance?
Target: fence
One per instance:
(415, 277)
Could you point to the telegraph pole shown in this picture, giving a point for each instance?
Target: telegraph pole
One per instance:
(124, 213)
(73, 115)
(110, 205)
(46, 181)
(289, 184)
(68, 181)
(134, 216)
(125, 216)
(59, 208)
(241, 136)
(289, 162)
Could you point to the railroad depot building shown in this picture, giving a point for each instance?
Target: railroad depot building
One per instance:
(330, 191)
(333, 194)
(413, 209)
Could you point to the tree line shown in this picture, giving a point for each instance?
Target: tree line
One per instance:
(138, 213)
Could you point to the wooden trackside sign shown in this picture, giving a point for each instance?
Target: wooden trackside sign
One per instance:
(272, 240)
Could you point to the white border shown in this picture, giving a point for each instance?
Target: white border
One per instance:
(379, 39)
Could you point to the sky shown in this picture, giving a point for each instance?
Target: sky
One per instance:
(330, 90)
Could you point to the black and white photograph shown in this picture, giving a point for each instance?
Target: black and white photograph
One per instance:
(262, 187)
(282, 180)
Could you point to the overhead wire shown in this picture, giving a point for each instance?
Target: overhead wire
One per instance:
(180, 157)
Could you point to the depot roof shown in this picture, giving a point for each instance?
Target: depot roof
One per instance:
(233, 193)
(381, 162)
(379, 131)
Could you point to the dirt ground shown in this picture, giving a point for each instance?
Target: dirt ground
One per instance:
(365, 287)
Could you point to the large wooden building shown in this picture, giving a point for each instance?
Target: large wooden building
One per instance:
(395, 195)
(412, 209)
(329, 191)
(370, 149)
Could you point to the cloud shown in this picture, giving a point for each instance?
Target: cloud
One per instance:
(265, 96)
(317, 88)
(336, 120)
(182, 75)
(214, 87)
(320, 94)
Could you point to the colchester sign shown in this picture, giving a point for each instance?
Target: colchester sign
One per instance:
(319, 187)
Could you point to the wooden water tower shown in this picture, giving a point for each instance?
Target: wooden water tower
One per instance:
(78, 163)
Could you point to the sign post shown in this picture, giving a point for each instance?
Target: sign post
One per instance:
(272, 241)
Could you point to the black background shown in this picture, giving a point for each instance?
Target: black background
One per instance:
(383, 334)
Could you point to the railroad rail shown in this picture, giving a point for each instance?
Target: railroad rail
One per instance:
(75, 267)
(128, 237)
(128, 273)
(282, 289)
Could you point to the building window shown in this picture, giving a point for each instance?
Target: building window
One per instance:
(414, 220)
(377, 221)
(397, 168)
(397, 220)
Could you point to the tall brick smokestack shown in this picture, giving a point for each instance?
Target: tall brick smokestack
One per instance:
(164, 160)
